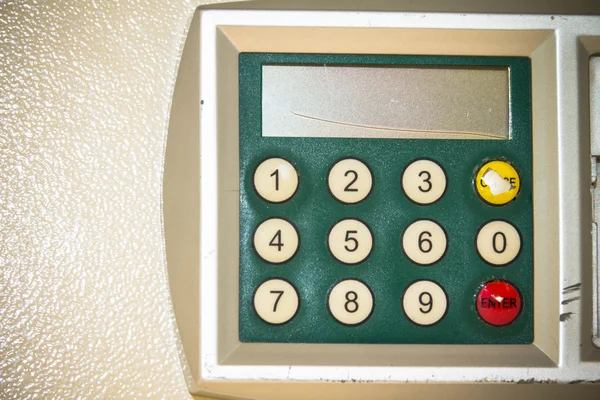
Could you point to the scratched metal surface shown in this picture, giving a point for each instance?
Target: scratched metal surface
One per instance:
(85, 92)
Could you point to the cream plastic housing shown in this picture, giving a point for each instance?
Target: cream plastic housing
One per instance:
(201, 199)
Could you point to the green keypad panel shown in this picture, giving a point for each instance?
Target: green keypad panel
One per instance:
(363, 240)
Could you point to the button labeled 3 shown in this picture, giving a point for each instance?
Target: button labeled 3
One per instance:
(424, 181)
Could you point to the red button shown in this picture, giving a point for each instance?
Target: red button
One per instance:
(498, 303)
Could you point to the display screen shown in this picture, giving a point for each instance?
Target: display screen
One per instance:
(385, 102)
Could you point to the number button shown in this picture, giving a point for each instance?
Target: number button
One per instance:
(350, 241)
(276, 301)
(424, 242)
(498, 243)
(424, 181)
(276, 180)
(276, 240)
(425, 302)
(350, 180)
(351, 302)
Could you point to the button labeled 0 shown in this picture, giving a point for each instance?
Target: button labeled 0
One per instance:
(498, 242)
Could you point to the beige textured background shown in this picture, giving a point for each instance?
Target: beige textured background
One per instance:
(85, 312)
(85, 93)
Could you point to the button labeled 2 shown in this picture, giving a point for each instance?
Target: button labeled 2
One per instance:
(350, 180)
(276, 301)
(276, 240)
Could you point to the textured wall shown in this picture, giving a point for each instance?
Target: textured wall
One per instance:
(85, 91)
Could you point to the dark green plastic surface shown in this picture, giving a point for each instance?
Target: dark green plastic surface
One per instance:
(387, 212)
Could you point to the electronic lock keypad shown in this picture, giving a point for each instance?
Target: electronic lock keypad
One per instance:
(382, 197)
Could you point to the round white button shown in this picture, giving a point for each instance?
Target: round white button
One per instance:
(276, 301)
(424, 302)
(424, 181)
(498, 242)
(350, 180)
(276, 240)
(350, 241)
(424, 242)
(350, 302)
(276, 180)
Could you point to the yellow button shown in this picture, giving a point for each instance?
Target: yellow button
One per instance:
(497, 182)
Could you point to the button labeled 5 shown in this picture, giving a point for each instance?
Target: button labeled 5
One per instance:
(350, 241)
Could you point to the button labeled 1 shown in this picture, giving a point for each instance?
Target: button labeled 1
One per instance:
(498, 243)
(350, 180)
(350, 241)
(425, 302)
(276, 301)
(424, 181)
(276, 180)
(276, 240)
(351, 302)
(424, 242)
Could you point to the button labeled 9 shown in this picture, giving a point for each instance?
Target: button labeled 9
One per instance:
(424, 302)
